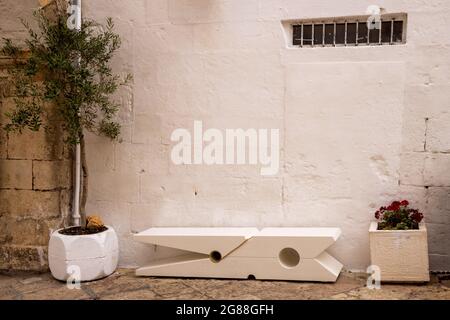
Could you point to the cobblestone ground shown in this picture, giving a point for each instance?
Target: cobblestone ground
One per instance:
(124, 285)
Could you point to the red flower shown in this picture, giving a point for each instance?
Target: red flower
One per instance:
(377, 214)
(404, 203)
(417, 216)
(398, 214)
(394, 206)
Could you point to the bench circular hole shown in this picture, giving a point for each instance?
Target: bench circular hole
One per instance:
(251, 277)
(289, 257)
(215, 256)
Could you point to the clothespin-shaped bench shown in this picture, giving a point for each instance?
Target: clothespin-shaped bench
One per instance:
(270, 253)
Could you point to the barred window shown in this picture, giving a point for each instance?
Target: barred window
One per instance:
(388, 29)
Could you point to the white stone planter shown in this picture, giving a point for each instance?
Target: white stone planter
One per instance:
(94, 256)
(401, 255)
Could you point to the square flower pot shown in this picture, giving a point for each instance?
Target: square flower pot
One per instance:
(401, 255)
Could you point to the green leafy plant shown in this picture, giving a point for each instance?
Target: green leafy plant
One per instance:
(398, 216)
(70, 70)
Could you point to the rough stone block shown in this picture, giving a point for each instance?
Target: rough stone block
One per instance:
(178, 69)
(142, 158)
(412, 168)
(438, 133)
(426, 101)
(186, 11)
(439, 262)
(10, 25)
(6, 88)
(3, 144)
(117, 186)
(292, 9)
(357, 111)
(30, 204)
(134, 14)
(6, 106)
(436, 171)
(437, 208)
(27, 258)
(224, 191)
(146, 128)
(157, 12)
(16, 174)
(439, 243)
(428, 65)
(40, 145)
(48, 175)
(100, 154)
(26, 231)
(263, 91)
(413, 132)
(165, 38)
(418, 197)
(418, 18)
(245, 35)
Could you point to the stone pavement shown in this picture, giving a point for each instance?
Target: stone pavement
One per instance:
(124, 285)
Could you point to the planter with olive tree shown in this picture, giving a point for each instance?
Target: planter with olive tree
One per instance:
(70, 70)
(398, 244)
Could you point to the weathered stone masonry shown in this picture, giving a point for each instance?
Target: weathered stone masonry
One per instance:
(35, 178)
(379, 129)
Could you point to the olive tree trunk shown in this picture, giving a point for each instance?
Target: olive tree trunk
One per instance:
(84, 180)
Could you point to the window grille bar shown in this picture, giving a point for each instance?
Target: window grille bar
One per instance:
(323, 34)
(301, 32)
(392, 31)
(357, 29)
(312, 36)
(379, 32)
(368, 34)
(345, 34)
(334, 34)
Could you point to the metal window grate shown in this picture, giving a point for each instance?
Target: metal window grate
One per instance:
(350, 31)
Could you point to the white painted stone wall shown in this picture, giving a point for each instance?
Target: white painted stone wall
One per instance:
(359, 126)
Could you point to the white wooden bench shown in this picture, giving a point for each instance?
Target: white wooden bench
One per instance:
(270, 253)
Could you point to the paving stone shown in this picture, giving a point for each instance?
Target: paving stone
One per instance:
(115, 284)
(437, 292)
(229, 289)
(60, 293)
(8, 293)
(373, 294)
(281, 290)
(31, 280)
(46, 284)
(6, 280)
(396, 292)
(123, 285)
(142, 294)
(192, 295)
(167, 287)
